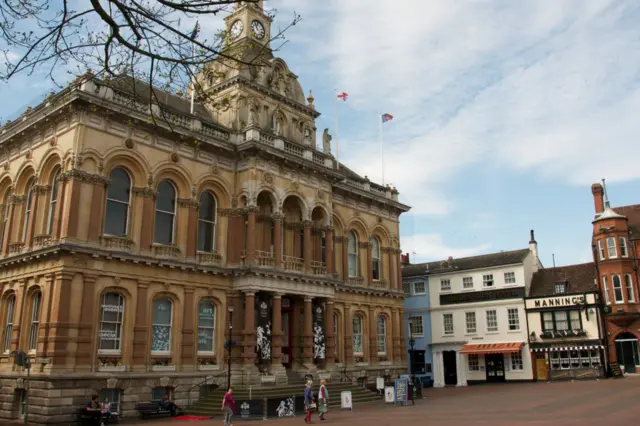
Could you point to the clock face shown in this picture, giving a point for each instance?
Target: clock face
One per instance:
(258, 29)
(236, 29)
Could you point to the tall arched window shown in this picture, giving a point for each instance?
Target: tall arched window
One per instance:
(323, 247)
(35, 322)
(5, 215)
(352, 250)
(53, 200)
(382, 335)
(28, 203)
(118, 200)
(375, 259)
(162, 315)
(357, 335)
(207, 223)
(336, 335)
(165, 213)
(206, 327)
(8, 328)
(111, 321)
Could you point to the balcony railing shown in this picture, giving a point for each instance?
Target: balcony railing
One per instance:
(356, 281)
(111, 242)
(292, 263)
(318, 268)
(380, 284)
(41, 240)
(263, 259)
(167, 251)
(209, 258)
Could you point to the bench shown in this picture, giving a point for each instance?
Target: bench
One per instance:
(154, 409)
(84, 418)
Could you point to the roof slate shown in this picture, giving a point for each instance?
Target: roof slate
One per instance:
(632, 213)
(466, 263)
(580, 277)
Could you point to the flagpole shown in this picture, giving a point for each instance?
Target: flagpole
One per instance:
(193, 80)
(335, 119)
(381, 148)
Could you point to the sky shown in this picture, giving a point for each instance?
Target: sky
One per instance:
(505, 112)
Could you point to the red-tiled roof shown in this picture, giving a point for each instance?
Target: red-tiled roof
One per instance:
(632, 213)
(581, 278)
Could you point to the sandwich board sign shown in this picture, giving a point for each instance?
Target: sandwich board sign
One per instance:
(389, 395)
(401, 391)
(346, 403)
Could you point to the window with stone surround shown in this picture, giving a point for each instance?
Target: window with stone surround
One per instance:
(375, 259)
(487, 280)
(352, 252)
(113, 397)
(623, 247)
(492, 321)
(162, 316)
(611, 248)
(207, 223)
(35, 322)
(600, 250)
(382, 335)
(53, 200)
(111, 319)
(447, 323)
(10, 306)
(118, 201)
(629, 287)
(5, 214)
(470, 319)
(206, 327)
(509, 277)
(357, 335)
(158, 393)
(165, 213)
(28, 205)
(617, 289)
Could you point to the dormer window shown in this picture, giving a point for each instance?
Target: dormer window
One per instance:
(561, 287)
(611, 248)
(623, 247)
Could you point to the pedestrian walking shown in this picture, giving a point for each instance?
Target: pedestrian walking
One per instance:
(323, 399)
(228, 407)
(308, 402)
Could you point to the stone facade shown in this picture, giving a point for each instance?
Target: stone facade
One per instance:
(125, 242)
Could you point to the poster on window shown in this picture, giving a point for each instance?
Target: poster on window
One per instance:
(281, 407)
(250, 408)
(263, 330)
(318, 332)
(206, 326)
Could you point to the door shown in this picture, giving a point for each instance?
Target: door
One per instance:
(286, 347)
(450, 367)
(627, 352)
(495, 367)
(542, 369)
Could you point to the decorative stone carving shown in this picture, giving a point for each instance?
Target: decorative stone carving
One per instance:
(150, 179)
(234, 212)
(365, 244)
(188, 202)
(326, 142)
(112, 383)
(165, 381)
(214, 169)
(267, 178)
(320, 194)
(144, 192)
(253, 107)
(129, 143)
(175, 157)
(82, 176)
(41, 189)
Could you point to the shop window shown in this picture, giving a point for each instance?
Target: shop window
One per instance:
(554, 356)
(516, 361)
(474, 363)
(575, 359)
(585, 359)
(564, 360)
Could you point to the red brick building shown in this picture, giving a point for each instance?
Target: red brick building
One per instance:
(616, 250)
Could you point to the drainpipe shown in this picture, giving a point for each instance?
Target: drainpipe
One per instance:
(534, 367)
(605, 335)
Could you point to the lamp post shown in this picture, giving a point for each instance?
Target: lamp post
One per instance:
(229, 346)
(412, 343)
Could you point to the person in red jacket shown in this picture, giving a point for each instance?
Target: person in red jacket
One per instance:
(228, 407)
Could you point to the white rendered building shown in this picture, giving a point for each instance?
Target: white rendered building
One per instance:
(478, 320)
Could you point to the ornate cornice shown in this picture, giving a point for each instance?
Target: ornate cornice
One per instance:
(231, 212)
(42, 189)
(277, 217)
(144, 192)
(82, 176)
(18, 199)
(388, 250)
(252, 209)
(307, 224)
(188, 203)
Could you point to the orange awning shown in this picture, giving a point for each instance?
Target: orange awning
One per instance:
(492, 348)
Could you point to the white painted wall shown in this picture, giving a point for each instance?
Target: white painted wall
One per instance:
(589, 325)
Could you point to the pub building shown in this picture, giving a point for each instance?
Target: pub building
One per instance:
(565, 324)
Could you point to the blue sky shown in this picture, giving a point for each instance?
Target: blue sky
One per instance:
(505, 111)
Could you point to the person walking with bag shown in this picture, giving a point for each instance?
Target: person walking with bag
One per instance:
(323, 399)
(228, 407)
(308, 402)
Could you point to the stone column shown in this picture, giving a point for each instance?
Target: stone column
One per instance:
(330, 342)
(95, 215)
(328, 236)
(192, 227)
(70, 220)
(403, 342)
(251, 234)
(438, 370)
(308, 247)
(57, 217)
(60, 321)
(307, 349)
(6, 238)
(249, 355)
(461, 370)
(188, 341)
(398, 270)
(369, 264)
(148, 217)
(84, 356)
(276, 331)
(345, 259)
(277, 236)
(348, 336)
(396, 324)
(141, 330)
(390, 266)
(373, 335)
(37, 194)
(237, 320)
(296, 332)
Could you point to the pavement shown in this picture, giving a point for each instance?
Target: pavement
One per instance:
(604, 402)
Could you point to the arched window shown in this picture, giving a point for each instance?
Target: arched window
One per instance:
(165, 213)
(206, 326)
(382, 335)
(118, 200)
(617, 289)
(53, 200)
(357, 335)
(162, 315)
(111, 319)
(27, 208)
(35, 322)
(8, 328)
(612, 251)
(5, 215)
(323, 247)
(207, 223)
(352, 249)
(336, 336)
(375, 259)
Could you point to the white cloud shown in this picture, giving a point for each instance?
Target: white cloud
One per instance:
(536, 86)
(424, 247)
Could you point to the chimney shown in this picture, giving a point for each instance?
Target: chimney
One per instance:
(598, 200)
(404, 259)
(533, 248)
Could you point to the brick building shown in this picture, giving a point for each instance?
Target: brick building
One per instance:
(616, 250)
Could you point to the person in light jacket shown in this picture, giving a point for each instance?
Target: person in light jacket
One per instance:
(323, 399)
(308, 402)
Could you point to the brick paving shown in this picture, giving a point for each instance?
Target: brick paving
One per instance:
(604, 402)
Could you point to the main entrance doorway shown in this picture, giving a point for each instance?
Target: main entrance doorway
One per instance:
(450, 367)
(627, 352)
(495, 367)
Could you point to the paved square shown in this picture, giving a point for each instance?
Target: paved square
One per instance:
(604, 402)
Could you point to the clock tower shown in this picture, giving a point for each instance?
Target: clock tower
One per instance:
(248, 29)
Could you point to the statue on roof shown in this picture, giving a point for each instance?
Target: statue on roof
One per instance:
(326, 142)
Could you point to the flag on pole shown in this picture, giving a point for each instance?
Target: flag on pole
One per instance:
(196, 31)
(343, 96)
(386, 117)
